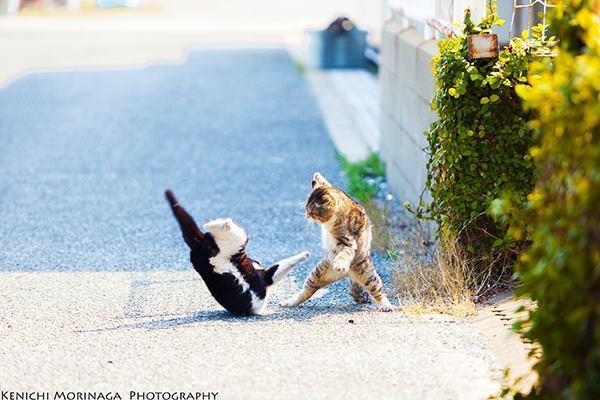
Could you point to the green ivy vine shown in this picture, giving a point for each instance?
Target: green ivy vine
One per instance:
(479, 146)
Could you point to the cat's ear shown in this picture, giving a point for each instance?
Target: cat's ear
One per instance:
(319, 181)
(190, 231)
(226, 227)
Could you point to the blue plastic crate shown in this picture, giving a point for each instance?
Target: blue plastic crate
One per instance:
(346, 50)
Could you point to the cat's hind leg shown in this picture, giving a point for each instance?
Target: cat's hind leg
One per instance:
(322, 275)
(280, 269)
(365, 274)
(358, 292)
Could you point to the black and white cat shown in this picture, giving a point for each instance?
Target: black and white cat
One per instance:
(237, 282)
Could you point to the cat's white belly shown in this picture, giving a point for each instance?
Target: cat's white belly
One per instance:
(328, 242)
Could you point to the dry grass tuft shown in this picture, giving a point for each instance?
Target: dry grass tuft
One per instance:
(441, 283)
(426, 279)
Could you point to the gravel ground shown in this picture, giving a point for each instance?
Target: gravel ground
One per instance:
(101, 331)
(97, 289)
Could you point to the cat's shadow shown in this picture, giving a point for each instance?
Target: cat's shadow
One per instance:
(299, 314)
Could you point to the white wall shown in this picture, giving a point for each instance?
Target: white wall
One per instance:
(406, 91)
(9, 7)
(407, 88)
(447, 10)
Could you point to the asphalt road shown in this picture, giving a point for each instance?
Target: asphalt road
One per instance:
(86, 157)
(97, 289)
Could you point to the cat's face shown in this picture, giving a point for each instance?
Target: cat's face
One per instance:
(322, 201)
(229, 236)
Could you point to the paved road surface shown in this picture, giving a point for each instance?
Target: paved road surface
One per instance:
(97, 290)
(86, 157)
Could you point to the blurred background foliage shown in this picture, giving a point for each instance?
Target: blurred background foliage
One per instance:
(561, 269)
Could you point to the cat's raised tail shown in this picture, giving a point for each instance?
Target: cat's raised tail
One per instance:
(190, 231)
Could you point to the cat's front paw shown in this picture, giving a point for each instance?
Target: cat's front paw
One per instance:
(303, 256)
(288, 303)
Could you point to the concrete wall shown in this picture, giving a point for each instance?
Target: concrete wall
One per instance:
(407, 87)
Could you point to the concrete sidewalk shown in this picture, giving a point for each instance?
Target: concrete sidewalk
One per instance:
(30, 44)
(162, 31)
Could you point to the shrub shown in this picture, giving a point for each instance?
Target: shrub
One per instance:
(479, 147)
(561, 269)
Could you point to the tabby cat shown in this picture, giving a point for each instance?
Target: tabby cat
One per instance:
(346, 239)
